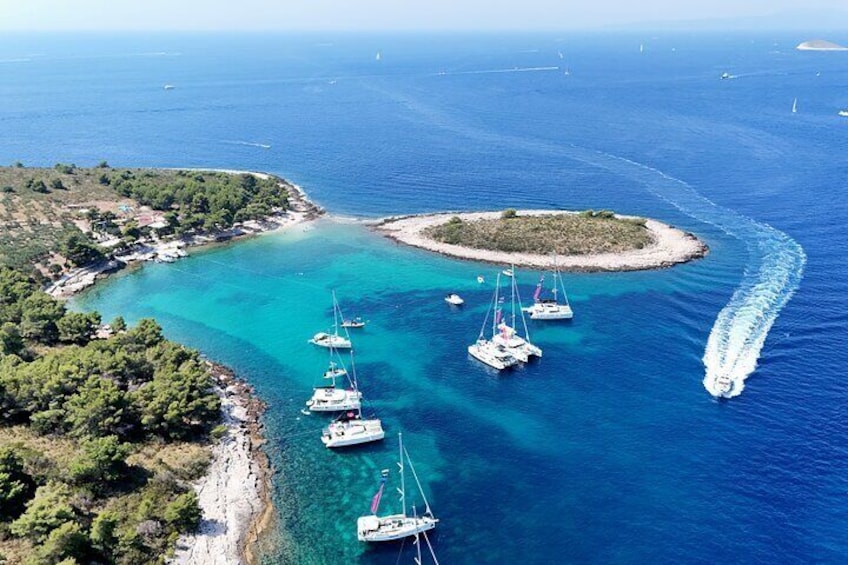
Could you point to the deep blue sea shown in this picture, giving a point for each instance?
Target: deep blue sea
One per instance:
(608, 450)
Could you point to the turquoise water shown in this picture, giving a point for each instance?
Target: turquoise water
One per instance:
(608, 449)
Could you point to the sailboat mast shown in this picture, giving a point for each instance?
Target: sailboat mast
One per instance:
(497, 306)
(512, 268)
(400, 464)
(335, 315)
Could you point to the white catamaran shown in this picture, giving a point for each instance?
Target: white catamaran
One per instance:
(332, 398)
(374, 528)
(550, 308)
(351, 428)
(334, 340)
(507, 335)
(487, 351)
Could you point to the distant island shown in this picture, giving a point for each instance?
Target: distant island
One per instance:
(582, 241)
(820, 45)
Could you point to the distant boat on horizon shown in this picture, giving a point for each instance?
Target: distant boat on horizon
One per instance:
(379, 56)
(641, 48)
(169, 87)
(795, 106)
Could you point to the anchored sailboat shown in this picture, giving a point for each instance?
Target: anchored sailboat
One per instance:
(350, 428)
(550, 308)
(487, 351)
(507, 335)
(334, 340)
(374, 528)
(332, 398)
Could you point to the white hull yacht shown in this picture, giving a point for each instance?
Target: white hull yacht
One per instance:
(373, 528)
(550, 308)
(333, 340)
(492, 354)
(352, 429)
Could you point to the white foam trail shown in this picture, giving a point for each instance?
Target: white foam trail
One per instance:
(247, 143)
(512, 70)
(771, 278)
(769, 281)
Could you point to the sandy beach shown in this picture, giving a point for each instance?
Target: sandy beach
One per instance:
(670, 245)
(234, 495)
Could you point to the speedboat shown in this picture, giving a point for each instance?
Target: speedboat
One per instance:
(480, 279)
(843, 113)
(725, 75)
(507, 272)
(454, 299)
(353, 323)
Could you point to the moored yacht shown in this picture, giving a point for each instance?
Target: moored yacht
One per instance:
(351, 428)
(550, 308)
(492, 354)
(332, 398)
(506, 335)
(375, 528)
(333, 340)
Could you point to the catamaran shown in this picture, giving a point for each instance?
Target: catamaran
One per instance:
(334, 340)
(373, 528)
(332, 398)
(487, 351)
(550, 308)
(508, 337)
(350, 428)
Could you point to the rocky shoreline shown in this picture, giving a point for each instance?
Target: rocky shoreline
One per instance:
(235, 494)
(670, 246)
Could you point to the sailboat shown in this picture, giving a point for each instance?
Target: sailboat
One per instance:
(487, 351)
(332, 398)
(374, 528)
(507, 335)
(795, 106)
(350, 428)
(550, 308)
(334, 340)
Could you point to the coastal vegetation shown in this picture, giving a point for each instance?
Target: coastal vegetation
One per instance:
(68, 216)
(587, 232)
(99, 436)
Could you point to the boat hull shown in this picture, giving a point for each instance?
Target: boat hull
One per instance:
(356, 432)
(334, 400)
(484, 354)
(328, 341)
(392, 528)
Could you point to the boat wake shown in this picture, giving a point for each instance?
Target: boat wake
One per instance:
(772, 276)
(246, 143)
(774, 271)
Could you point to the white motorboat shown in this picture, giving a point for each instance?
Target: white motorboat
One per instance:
(333, 340)
(356, 322)
(352, 429)
(843, 113)
(550, 308)
(480, 279)
(508, 273)
(454, 299)
(374, 528)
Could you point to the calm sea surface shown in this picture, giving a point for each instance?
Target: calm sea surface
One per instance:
(608, 449)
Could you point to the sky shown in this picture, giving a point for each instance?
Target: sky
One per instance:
(391, 15)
